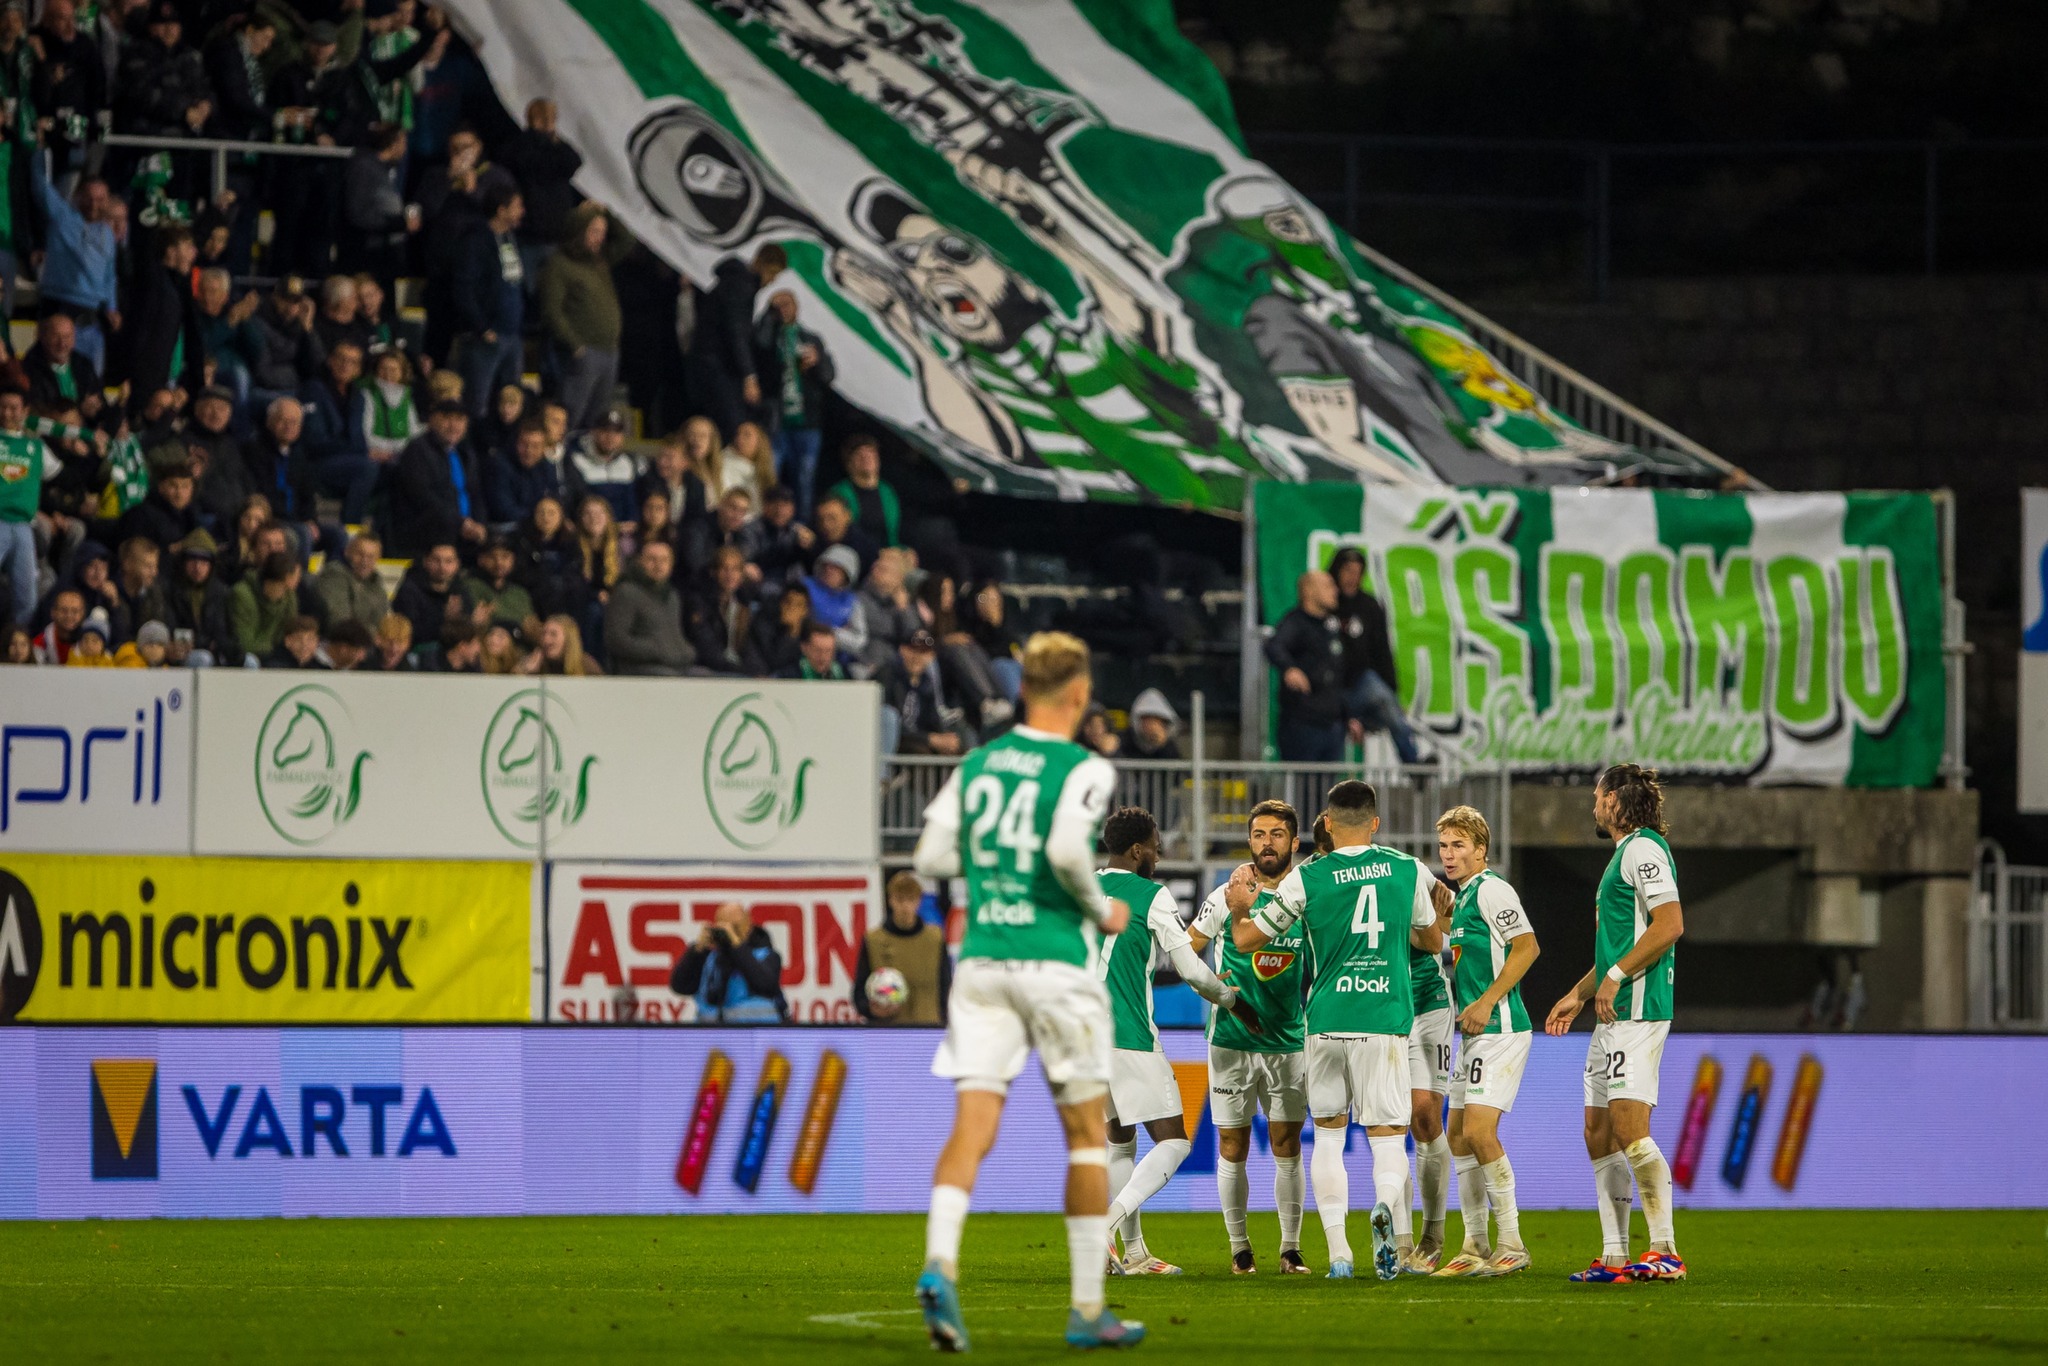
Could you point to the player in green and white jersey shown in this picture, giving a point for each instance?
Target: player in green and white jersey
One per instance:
(1363, 908)
(1634, 963)
(1266, 1070)
(1492, 945)
(1142, 1087)
(1019, 818)
(1431, 1042)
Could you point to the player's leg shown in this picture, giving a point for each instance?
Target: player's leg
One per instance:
(1472, 1208)
(1230, 1107)
(1329, 1102)
(1123, 1160)
(1613, 1184)
(1381, 1065)
(1640, 1047)
(1286, 1104)
(1482, 1130)
(1429, 1077)
(1145, 1091)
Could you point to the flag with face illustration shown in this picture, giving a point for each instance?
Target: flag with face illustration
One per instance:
(1030, 235)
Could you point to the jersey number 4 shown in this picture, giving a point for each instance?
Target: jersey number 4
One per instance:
(1010, 822)
(1365, 916)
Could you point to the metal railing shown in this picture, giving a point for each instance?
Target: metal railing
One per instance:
(220, 149)
(2008, 962)
(1202, 804)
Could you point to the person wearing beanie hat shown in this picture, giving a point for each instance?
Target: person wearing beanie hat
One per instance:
(90, 650)
(835, 597)
(150, 649)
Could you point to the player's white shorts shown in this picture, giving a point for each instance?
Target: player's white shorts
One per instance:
(1490, 1071)
(1001, 1009)
(1142, 1087)
(1241, 1084)
(1429, 1050)
(1623, 1059)
(1364, 1074)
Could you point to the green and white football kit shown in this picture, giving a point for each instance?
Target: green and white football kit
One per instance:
(1487, 918)
(1624, 1057)
(1266, 1071)
(1356, 907)
(1019, 818)
(1432, 1039)
(1142, 1086)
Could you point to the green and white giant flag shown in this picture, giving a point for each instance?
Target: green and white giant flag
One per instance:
(1030, 234)
(1774, 637)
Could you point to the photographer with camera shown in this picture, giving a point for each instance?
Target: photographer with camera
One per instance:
(733, 971)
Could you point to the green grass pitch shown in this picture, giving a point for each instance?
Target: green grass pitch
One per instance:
(831, 1289)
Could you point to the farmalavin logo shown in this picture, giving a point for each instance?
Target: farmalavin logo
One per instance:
(536, 780)
(309, 768)
(753, 777)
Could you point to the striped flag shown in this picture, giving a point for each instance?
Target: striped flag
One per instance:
(1030, 235)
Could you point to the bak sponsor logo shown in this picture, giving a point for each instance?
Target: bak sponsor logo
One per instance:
(1377, 986)
(1268, 964)
(124, 1128)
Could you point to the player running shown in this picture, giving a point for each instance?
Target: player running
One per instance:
(1430, 1043)
(1492, 945)
(1266, 1070)
(1019, 816)
(1634, 953)
(1142, 1087)
(1363, 909)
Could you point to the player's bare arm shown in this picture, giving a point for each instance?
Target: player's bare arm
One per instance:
(1667, 926)
(1568, 1006)
(1522, 951)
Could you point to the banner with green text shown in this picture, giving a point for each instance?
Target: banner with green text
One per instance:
(1790, 638)
(1030, 236)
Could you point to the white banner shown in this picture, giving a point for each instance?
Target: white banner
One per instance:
(400, 766)
(96, 761)
(2034, 653)
(615, 931)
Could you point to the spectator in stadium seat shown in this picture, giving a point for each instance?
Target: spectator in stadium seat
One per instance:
(892, 616)
(912, 698)
(498, 595)
(653, 524)
(599, 465)
(560, 651)
(777, 545)
(234, 70)
(488, 300)
(161, 79)
(351, 586)
(597, 541)
(227, 328)
(150, 649)
(869, 497)
(1155, 728)
(70, 85)
(721, 355)
(451, 197)
(290, 355)
(579, 312)
(719, 618)
(140, 594)
(987, 622)
(548, 559)
(90, 649)
(460, 650)
(499, 652)
(347, 644)
(795, 373)
(394, 647)
(836, 601)
(732, 971)
(81, 261)
(671, 473)
(643, 622)
(375, 216)
(59, 375)
(497, 429)
(199, 600)
(1096, 734)
(513, 486)
(300, 647)
(432, 593)
(335, 431)
(281, 464)
(165, 348)
(261, 606)
(834, 527)
(67, 613)
(729, 526)
(913, 946)
(166, 516)
(1372, 686)
(817, 655)
(437, 493)
(390, 419)
(1308, 650)
(221, 470)
(336, 320)
(968, 672)
(378, 327)
(748, 463)
(778, 633)
(544, 166)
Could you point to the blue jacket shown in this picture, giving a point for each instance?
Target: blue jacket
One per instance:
(79, 257)
(733, 985)
(334, 423)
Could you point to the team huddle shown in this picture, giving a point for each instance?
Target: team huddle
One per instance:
(1332, 1006)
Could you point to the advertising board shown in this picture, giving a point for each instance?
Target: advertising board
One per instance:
(305, 941)
(401, 766)
(615, 931)
(96, 761)
(138, 1122)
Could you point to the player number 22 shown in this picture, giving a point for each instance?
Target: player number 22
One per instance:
(1365, 916)
(1010, 822)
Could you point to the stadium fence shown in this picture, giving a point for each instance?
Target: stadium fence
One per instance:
(2008, 943)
